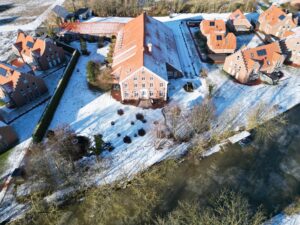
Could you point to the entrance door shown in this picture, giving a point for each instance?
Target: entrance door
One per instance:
(144, 94)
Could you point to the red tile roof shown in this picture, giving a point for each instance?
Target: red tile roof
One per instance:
(95, 28)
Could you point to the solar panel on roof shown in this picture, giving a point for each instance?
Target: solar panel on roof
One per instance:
(261, 52)
(3, 72)
(282, 17)
(29, 44)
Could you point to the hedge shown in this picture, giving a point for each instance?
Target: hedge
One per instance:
(50, 109)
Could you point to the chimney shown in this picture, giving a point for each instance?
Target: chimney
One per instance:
(149, 45)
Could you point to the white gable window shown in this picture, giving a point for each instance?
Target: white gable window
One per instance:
(161, 84)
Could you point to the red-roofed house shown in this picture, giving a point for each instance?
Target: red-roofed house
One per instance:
(219, 42)
(276, 22)
(238, 22)
(247, 65)
(40, 54)
(291, 46)
(8, 137)
(145, 57)
(18, 87)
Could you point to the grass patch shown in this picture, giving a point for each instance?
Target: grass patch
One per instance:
(3, 160)
(2, 103)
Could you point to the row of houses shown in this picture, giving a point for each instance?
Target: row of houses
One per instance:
(264, 62)
(18, 83)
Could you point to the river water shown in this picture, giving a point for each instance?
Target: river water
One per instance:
(267, 174)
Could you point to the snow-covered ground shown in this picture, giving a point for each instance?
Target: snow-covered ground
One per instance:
(20, 11)
(282, 219)
(90, 113)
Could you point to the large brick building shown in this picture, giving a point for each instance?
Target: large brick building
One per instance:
(39, 53)
(18, 86)
(145, 57)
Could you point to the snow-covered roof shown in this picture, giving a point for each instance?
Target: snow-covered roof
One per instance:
(145, 42)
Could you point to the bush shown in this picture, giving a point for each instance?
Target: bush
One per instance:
(112, 123)
(139, 116)
(92, 69)
(101, 42)
(141, 132)
(132, 123)
(127, 140)
(103, 79)
(120, 112)
(118, 135)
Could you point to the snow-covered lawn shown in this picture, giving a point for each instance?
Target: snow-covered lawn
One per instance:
(32, 12)
(90, 113)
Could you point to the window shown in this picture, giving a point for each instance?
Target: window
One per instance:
(143, 78)
(29, 44)
(212, 23)
(135, 78)
(281, 17)
(126, 94)
(151, 84)
(268, 62)
(136, 94)
(161, 84)
(143, 85)
(125, 85)
(161, 93)
(151, 78)
(219, 37)
(151, 93)
(261, 52)
(135, 85)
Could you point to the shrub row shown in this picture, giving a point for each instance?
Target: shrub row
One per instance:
(48, 114)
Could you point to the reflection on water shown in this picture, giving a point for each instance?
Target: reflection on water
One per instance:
(268, 174)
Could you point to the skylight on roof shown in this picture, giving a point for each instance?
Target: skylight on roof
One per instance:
(29, 44)
(211, 23)
(282, 17)
(261, 52)
(219, 37)
(3, 72)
